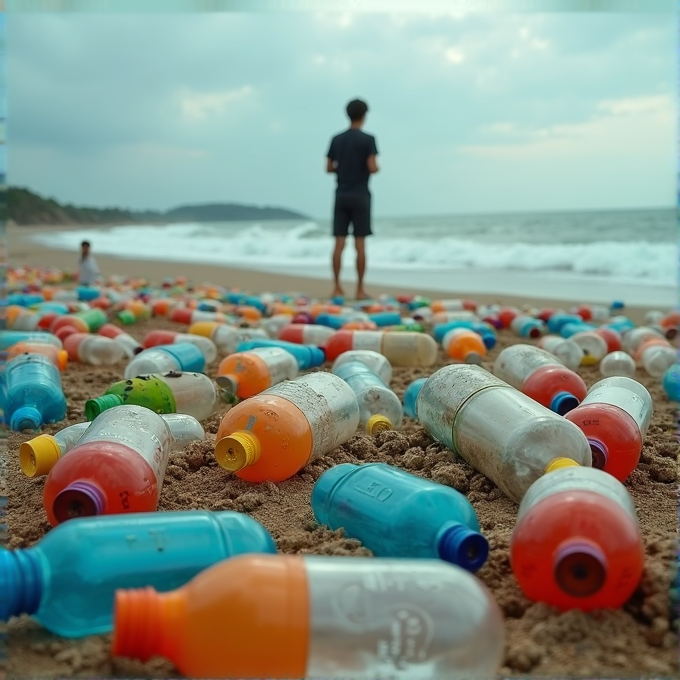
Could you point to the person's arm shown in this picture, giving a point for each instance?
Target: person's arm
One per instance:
(372, 164)
(332, 157)
(331, 165)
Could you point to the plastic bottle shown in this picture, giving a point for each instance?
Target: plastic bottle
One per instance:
(615, 416)
(117, 466)
(527, 326)
(499, 431)
(657, 359)
(541, 376)
(129, 345)
(375, 361)
(567, 351)
(87, 321)
(411, 397)
(611, 337)
(396, 514)
(182, 357)
(560, 319)
(191, 393)
(306, 334)
(225, 337)
(273, 435)
(577, 542)
(160, 550)
(671, 382)
(594, 347)
(453, 305)
(464, 345)
(246, 374)
(9, 338)
(95, 350)
(205, 345)
(636, 336)
(400, 349)
(273, 325)
(58, 357)
(32, 392)
(307, 356)
(617, 363)
(379, 407)
(49, 449)
(321, 617)
(189, 316)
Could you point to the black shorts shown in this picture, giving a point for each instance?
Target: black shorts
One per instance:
(354, 209)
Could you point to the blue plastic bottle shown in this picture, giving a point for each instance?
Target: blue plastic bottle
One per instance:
(396, 514)
(87, 293)
(67, 581)
(571, 328)
(556, 321)
(307, 356)
(9, 338)
(182, 356)
(249, 300)
(383, 319)
(671, 382)
(32, 392)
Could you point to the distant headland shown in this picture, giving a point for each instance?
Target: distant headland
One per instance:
(25, 208)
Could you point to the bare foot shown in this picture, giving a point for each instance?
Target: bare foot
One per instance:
(338, 292)
(363, 295)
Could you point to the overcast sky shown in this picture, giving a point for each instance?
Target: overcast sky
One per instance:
(484, 112)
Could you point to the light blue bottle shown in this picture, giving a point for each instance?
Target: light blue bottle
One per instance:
(571, 328)
(87, 293)
(67, 581)
(556, 321)
(307, 356)
(9, 338)
(334, 321)
(383, 319)
(671, 382)
(24, 299)
(32, 392)
(249, 300)
(396, 514)
(182, 356)
(411, 397)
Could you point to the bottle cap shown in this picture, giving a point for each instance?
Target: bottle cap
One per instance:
(93, 407)
(126, 317)
(563, 402)
(580, 567)
(237, 451)
(411, 397)
(473, 358)
(559, 463)
(20, 583)
(316, 356)
(378, 423)
(62, 359)
(39, 455)
(599, 453)
(26, 418)
(464, 547)
(325, 486)
(80, 499)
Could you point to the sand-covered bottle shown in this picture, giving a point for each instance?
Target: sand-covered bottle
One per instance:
(499, 431)
(274, 434)
(319, 617)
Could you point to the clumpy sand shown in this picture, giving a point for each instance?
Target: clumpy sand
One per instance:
(637, 640)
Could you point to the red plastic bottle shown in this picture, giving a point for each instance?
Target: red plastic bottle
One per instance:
(577, 542)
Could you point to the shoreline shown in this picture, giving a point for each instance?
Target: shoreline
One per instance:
(22, 251)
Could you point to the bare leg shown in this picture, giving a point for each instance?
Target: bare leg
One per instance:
(337, 262)
(360, 244)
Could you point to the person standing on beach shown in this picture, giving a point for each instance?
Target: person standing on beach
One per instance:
(352, 157)
(88, 271)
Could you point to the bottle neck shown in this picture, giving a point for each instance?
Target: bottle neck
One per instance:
(460, 545)
(22, 581)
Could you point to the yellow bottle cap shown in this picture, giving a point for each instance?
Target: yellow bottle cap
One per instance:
(237, 451)
(39, 455)
(378, 423)
(204, 328)
(558, 463)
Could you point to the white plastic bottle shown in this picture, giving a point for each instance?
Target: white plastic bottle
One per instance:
(567, 351)
(375, 361)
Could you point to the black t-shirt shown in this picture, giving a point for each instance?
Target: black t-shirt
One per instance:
(351, 149)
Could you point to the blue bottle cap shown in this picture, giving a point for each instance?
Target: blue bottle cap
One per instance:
(26, 418)
(411, 397)
(80, 499)
(563, 402)
(316, 356)
(323, 489)
(464, 547)
(21, 584)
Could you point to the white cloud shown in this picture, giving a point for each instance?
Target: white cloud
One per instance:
(199, 105)
(455, 56)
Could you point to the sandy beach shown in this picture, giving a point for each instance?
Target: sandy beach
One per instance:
(637, 640)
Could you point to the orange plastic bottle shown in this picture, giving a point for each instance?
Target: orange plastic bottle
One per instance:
(293, 616)
(273, 435)
(59, 357)
(464, 345)
(246, 374)
(577, 541)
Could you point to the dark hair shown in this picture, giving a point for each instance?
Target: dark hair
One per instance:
(356, 110)
(85, 243)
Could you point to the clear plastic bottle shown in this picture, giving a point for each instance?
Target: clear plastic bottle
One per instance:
(400, 349)
(95, 350)
(657, 359)
(375, 361)
(58, 357)
(594, 347)
(306, 334)
(246, 374)
(225, 337)
(462, 344)
(307, 356)
(117, 466)
(567, 351)
(129, 345)
(615, 416)
(274, 324)
(67, 581)
(541, 376)
(160, 337)
(273, 435)
(397, 514)
(183, 357)
(321, 617)
(453, 305)
(379, 407)
(448, 317)
(577, 541)
(617, 363)
(174, 392)
(32, 392)
(636, 336)
(499, 431)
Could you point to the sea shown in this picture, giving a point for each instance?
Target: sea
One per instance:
(629, 256)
